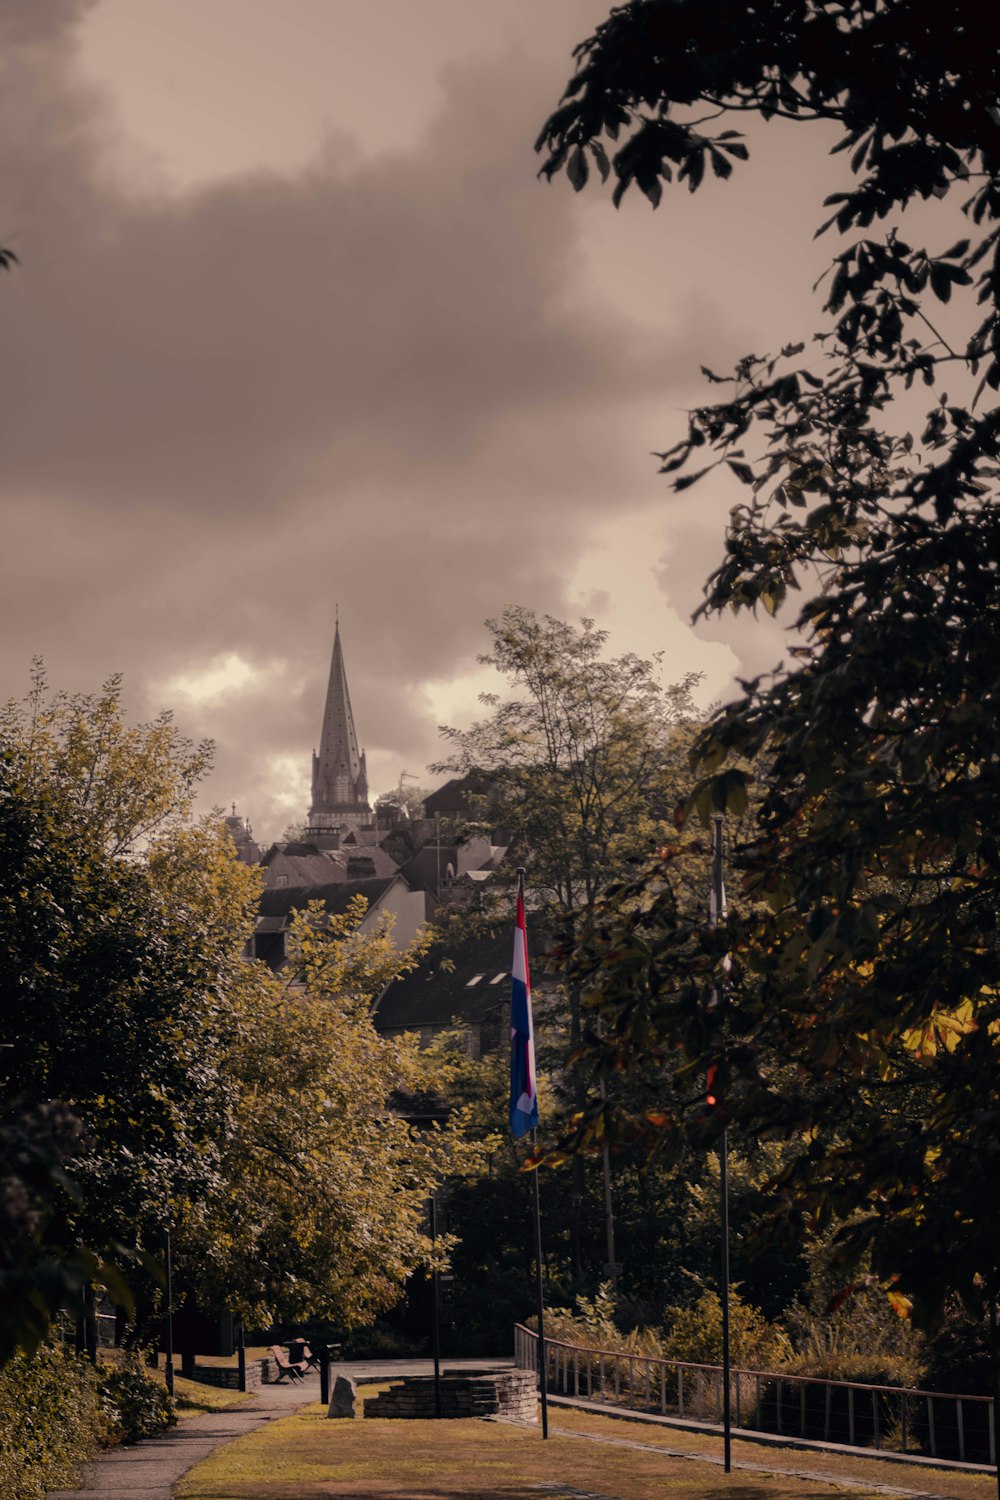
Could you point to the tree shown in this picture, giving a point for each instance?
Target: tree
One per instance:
(205, 1097)
(408, 799)
(37, 1276)
(581, 759)
(586, 766)
(320, 1211)
(585, 762)
(867, 951)
(122, 931)
(115, 784)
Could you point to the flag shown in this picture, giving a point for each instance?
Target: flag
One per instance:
(523, 1093)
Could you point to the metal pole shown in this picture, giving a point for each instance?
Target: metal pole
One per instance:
(724, 1192)
(995, 1371)
(540, 1298)
(436, 1338)
(241, 1359)
(717, 912)
(169, 1373)
(609, 1208)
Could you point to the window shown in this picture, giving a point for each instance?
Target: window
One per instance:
(281, 880)
(474, 980)
(500, 977)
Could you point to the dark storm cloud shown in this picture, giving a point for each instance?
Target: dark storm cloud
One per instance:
(363, 382)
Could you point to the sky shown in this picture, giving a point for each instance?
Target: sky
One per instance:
(297, 328)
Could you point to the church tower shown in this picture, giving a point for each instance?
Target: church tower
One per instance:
(339, 776)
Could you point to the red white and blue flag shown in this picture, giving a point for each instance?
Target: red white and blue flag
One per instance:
(523, 1092)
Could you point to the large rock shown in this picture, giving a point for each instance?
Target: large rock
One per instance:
(342, 1397)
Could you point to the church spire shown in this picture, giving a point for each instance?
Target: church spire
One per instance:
(339, 777)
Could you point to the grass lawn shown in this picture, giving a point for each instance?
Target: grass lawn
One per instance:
(193, 1398)
(306, 1457)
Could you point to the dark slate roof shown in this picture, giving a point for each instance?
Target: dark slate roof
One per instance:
(361, 838)
(304, 864)
(436, 993)
(294, 848)
(454, 796)
(277, 905)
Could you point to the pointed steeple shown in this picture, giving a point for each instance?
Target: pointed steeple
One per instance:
(339, 776)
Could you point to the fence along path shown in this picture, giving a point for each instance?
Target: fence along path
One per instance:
(932, 1424)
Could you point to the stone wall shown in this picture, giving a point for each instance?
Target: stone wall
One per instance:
(228, 1377)
(492, 1393)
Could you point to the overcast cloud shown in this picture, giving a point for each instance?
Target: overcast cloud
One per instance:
(387, 379)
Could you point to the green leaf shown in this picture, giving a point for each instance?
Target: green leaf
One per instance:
(576, 169)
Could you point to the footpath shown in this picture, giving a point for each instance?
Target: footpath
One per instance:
(150, 1469)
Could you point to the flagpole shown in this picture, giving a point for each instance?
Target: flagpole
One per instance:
(524, 1106)
(718, 905)
(540, 1299)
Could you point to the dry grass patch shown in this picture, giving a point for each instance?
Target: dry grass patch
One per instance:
(881, 1472)
(308, 1457)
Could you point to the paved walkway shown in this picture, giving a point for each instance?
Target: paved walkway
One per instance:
(150, 1469)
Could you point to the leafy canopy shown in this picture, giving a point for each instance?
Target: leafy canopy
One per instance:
(867, 942)
(582, 757)
(197, 1092)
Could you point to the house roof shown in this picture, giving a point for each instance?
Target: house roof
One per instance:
(360, 837)
(455, 795)
(277, 904)
(304, 864)
(469, 983)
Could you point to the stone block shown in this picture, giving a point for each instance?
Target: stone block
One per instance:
(342, 1397)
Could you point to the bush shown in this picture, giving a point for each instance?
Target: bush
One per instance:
(51, 1421)
(694, 1334)
(135, 1406)
(381, 1341)
(863, 1340)
(593, 1324)
(958, 1354)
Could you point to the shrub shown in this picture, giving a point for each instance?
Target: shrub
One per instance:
(592, 1324)
(135, 1406)
(863, 1340)
(51, 1421)
(694, 1334)
(380, 1341)
(833, 1350)
(958, 1354)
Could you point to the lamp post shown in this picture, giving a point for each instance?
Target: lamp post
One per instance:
(436, 1312)
(717, 913)
(169, 1373)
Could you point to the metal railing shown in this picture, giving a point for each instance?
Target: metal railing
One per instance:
(935, 1424)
